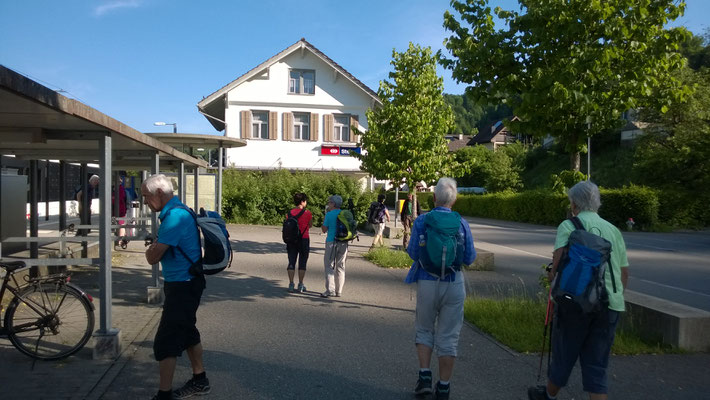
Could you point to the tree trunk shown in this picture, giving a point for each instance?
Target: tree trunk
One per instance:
(574, 161)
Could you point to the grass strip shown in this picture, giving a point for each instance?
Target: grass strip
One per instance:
(388, 258)
(518, 323)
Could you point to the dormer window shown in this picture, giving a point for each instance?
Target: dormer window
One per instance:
(302, 81)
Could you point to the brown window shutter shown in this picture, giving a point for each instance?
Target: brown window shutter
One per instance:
(314, 127)
(354, 126)
(246, 124)
(287, 127)
(328, 127)
(273, 125)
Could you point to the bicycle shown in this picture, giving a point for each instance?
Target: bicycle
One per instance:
(48, 318)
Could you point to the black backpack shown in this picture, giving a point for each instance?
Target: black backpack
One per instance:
(375, 214)
(290, 232)
(580, 284)
(216, 249)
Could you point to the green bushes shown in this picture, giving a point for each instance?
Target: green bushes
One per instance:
(546, 207)
(264, 197)
(637, 202)
(534, 206)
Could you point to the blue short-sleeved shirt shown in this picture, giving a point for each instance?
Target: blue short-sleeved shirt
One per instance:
(177, 228)
(413, 249)
(330, 220)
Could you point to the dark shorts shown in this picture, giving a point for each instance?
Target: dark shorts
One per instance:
(298, 251)
(177, 330)
(587, 337)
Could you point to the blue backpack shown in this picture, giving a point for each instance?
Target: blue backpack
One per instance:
(443, 243)
(217, 250)
(580, 284)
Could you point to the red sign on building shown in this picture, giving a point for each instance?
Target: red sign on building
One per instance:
(330, 150)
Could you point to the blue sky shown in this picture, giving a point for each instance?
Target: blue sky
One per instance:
(141, 61)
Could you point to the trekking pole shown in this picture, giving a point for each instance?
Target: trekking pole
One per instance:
(548, 318)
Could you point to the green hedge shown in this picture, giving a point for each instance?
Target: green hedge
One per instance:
(549, 208)
(264, 197)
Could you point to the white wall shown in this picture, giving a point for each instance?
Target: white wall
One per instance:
(334, 94)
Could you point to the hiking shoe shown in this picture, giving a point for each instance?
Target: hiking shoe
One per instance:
(291, 287)
(423, 383)
(537, 393)
(325, 294)
(442, 392)
(193, 387)
(301, 288)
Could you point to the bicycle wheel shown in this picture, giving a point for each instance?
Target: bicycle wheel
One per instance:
(49, 321)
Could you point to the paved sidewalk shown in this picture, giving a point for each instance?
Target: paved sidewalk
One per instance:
(262, 342)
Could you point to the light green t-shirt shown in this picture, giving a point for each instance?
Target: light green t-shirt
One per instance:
(595, 224)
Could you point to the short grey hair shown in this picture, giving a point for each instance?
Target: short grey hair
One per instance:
(337, 200)
(445, 192)
(585, 196)
(94, 178)
(159, 181)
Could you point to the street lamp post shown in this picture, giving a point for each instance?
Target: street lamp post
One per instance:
(174, 124)
(589, 148)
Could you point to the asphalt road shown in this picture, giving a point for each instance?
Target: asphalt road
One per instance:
(672, 266)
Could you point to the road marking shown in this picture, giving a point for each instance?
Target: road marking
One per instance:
(650, 247)
(672, 287)
(513, 249)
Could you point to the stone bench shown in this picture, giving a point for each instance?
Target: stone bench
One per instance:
(674, 324)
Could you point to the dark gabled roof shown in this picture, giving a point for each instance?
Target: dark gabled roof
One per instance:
(211, 105)
(458, 144)
(487, 133)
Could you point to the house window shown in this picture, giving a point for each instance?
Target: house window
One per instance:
(301, 126)
(259, 125)
(302, 81)
(341, 128)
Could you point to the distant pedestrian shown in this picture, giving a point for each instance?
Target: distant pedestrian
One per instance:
(407, 218)
(376, 215)
(299, 251)
(85, 209)
(177, 245)
(440, 288)
(336, 251)
(575, 334)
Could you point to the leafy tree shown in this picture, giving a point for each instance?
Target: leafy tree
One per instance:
(495, 171)
(466, 114)
(697, 50)
(675, 151)
(405, 138)
(558, 63)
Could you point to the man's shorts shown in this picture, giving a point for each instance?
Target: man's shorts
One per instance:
(177, 330)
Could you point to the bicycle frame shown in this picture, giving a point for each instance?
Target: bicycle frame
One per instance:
(16, 290)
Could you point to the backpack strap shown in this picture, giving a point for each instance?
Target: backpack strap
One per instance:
(199, 243)
(577, 223)
(303, 210)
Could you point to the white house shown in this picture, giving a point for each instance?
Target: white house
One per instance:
(295, 110)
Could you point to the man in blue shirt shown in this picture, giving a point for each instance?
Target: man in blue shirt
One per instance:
(178, 250)
(439, 314)
(336, 251)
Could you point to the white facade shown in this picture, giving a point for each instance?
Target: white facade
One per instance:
(295, 131)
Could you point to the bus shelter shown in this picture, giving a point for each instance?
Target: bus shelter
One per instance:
(37, 123)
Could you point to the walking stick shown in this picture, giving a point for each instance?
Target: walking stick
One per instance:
(548, 320)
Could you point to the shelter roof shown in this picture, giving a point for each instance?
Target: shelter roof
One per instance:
(39, 123)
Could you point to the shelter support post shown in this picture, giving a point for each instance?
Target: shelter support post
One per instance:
(181, 182)
(155, 291)
(218, 198)
(85, 208)
(197, 189)
(62, 195)
(34, 209)
(107, 340)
